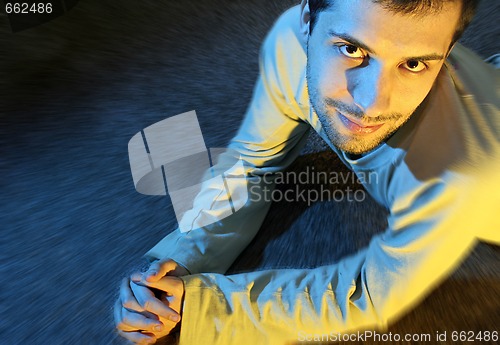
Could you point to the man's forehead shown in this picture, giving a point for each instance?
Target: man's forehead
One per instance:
(420, 8)
(383, 30)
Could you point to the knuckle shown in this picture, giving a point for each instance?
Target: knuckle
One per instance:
(148, 304)
(155, 264)
(128, 304)
(125, 321)
(120, 323)
(124, 284)
(177, 284)
(120, 326)
(125, 295)
(165, 264)
(128, 335)
(122, 334)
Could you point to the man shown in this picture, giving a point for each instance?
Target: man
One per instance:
(371, 78)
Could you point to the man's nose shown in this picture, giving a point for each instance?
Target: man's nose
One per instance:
(370, 87)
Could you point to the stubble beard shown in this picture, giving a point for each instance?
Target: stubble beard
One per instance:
(352, 144)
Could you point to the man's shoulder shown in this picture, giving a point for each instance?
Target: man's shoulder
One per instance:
(286, 29)
(456, 132)
(472, 75)
(283, 44)
(283, 61)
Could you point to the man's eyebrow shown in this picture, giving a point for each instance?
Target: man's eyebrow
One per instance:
(427, 57)
(359, 44)
(351, 40)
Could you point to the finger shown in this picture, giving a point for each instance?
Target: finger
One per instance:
(128, 321)
(159, 269)
(132, 304)
(127, 297)
(149, 302)
(117, 313)
(137, 276)
(170, 285)
(138, 337)
(134, 322)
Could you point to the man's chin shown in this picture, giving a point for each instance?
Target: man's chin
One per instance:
(361, 145)
(354, 147)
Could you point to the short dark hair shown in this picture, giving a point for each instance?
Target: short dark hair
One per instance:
(407, 7)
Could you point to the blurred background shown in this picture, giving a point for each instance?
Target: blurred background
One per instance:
(74, 90)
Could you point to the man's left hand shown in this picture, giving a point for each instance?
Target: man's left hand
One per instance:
(159, 306)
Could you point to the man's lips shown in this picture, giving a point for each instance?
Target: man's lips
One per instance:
(356, 127)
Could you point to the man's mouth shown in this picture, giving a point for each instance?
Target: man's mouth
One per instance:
(357, 127)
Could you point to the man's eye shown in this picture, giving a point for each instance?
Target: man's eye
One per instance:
(414, 66)
(351, 51)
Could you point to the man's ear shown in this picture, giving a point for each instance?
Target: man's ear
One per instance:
(305, 20)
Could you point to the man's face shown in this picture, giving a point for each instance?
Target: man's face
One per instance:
(368, 69)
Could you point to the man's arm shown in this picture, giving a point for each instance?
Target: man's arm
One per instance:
(367, 290)
(270, 138)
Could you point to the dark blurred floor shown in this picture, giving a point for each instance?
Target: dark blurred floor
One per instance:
(75, 90)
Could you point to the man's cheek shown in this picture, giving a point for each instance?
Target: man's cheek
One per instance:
(411, 97)
(331, 84)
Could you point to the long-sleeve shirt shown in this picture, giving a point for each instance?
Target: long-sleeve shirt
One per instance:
(437, 176)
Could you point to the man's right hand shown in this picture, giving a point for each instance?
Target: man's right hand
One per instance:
(145, 322)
